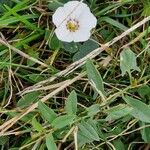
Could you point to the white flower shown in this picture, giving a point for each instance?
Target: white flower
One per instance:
(74, 22)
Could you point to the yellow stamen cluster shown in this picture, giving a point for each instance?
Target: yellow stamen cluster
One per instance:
(72, 25)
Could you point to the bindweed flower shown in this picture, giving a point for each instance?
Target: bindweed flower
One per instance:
(74, 22)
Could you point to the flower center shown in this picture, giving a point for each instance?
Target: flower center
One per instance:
(72, 25)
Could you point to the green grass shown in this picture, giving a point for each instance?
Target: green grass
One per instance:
(104, 104)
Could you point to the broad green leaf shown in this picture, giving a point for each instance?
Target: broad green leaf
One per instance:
(94, 76)
(117, 112)
(54, 43)
(26, 118)
(88, 131)
(28, 99)
(53, 5)
(140, 110)
(85, 49)
(50, 143)
(71, 47)
(82, 139)
(71, 104)
(63, 121)
(128, 61)
(94, 123)
(119, 145)
(46, 112)
(144, 91)
(93, 134)
(36, 125)
(93, 110)
(145, 132)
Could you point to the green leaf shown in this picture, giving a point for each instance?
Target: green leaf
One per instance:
(33, 54)
(71, 47)
(145, 132)
(14, 148)
(3, 140)
(144, 91)
(128, 61)
(91, 135)
(50, 143)
(53, 5)
(19, 6)
(28, 99)
(85, 49)
(36, 125)
(54, 43)
(26, 118)
(94, 76)
(82, 139)
(140, 110)
(63, 121)
(46, 112)
(117, 112)
(114, 23)
(6, 2)
(12, 19)
(23, 20)
(119, 145)
(107, 9)
(107, 34)
(36, 77)
(71, 104)
(88, 131)
(146, 6)
(93, 110)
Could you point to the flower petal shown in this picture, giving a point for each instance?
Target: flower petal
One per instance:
(59, 16)
(78, 11)
(82, 13)
(75, 8)
(63, 34)
(81, 35)
(87, 20)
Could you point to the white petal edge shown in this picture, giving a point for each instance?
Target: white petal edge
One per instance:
(87, 20)
(81, 35)
(75, 8)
